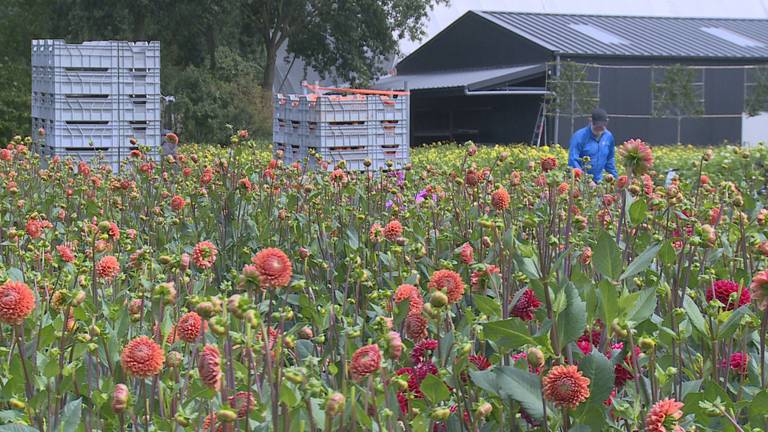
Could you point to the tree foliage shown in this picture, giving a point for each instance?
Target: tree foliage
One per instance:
(348, 39)
(757, 93)
(676, 95)
(572, 95)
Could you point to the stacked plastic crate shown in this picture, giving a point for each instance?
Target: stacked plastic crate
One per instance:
(96, 99)
(350, 125)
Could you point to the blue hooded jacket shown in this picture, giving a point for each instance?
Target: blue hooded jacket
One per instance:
(601, 153)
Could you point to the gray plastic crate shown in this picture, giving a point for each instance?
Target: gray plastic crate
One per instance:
(326, 135)
(61, 134)
(278, 106)
(382, 108)
(139, 55)
(94, 107)
(138, 109)
(145, 132)
(90, 55)
(73, 134)
(352, 128)
(388, 132)
(48, 79)
(96, 95)
(321, 108)
(140, 83)
(96, 54)
(73, 107)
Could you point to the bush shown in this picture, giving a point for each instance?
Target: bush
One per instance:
(209, 100)
(15, 98)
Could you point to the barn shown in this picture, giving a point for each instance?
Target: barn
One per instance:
(509, 77)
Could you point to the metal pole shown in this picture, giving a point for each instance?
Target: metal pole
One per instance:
(557, 110)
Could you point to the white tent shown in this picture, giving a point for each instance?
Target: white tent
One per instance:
(443, 16)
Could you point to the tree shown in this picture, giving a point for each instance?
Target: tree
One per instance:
(675, 95)
(572, 94)
(757, 94)
(349, 38)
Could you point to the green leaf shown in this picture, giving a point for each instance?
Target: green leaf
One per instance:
(637, 212)
(732, 323)
(288, 395)
(15, 274)
(304, 348)
(642, 262)
(601, 375)
(643, 307)
(667, 253)
(694, 314)
(527, 266)
(17, 428)
(445, 347)
(571, 322)
(690, 387)
(509, 240)
(607, 256)
(508, 382)
(7, 416)
(508, 334)
(354, 241)
(70, 415)
(609, 300)
(749, 203)
(486, 305)
(434, 389)
(758, 409)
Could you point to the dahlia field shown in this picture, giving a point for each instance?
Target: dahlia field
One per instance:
(478, 289)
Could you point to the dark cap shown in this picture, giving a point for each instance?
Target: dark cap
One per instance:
(599, 115)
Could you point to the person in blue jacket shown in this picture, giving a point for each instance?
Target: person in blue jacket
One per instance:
(594, 141)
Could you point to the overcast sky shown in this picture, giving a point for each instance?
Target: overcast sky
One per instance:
(444, 15)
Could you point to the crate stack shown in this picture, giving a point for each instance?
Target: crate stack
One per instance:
(353, 126)
(96, 98)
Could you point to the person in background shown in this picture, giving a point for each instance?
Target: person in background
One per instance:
(594, 141)
(169, 146)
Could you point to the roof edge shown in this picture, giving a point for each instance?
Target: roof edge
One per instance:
(480, 11)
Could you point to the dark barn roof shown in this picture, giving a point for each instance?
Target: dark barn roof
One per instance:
(596, 35)
(471, 79)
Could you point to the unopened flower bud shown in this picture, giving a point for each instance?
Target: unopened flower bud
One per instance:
(120, 398)
(486, 242)
(233, 305)
(205, 309)
(438, 299)
(439, 414)
(647, 344)
(181, 420)
(334, 405)
(174, 359)
(618, 329)
(483, 410)
(78, 298)
(226, 415)
(535, 357)
(94, 330)
(306, 333)
(134, 307)
(304, 253)
(394, 345)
